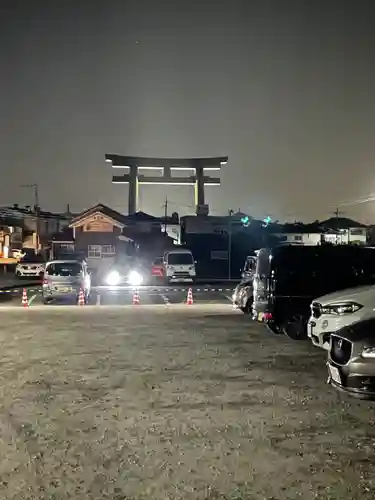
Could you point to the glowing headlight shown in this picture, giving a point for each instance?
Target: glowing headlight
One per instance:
(339, 309)
(135, 279)
(113, 278)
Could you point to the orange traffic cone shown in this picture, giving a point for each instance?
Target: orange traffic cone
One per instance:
(81, 298)
(189, 300)
(25, 302)
(135, 301)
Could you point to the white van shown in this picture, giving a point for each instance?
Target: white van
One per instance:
(179, 265)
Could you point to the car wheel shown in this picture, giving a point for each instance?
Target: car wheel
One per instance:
(248, 307)
(273, 327)
(46, 302)
(295, 328)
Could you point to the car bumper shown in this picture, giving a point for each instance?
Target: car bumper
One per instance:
(30, 274)
(58, 294)
(320, 339)
(356, 379)
(320, 329)
(181, 279)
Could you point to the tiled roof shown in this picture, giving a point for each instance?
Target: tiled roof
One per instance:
(103, 209)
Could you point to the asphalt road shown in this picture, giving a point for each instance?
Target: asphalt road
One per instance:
(118, 296)
(184, 403)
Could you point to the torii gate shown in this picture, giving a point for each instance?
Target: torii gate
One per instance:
(134, 164)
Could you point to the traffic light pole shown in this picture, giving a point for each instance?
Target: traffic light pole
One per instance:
(230, 212)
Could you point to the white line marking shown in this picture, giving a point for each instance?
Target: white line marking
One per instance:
(32, 298)
(166, 300)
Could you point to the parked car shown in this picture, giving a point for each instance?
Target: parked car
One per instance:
(64, 279)
(351, 359)
(336, 310)
(179, 266)
(243, 293)
(289, 277)
(133, 273)
(31, 266)
(157, 269)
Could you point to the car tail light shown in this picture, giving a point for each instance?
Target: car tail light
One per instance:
(45, 282)
(267, 316)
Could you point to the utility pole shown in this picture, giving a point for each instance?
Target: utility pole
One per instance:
(337, 213)
(165, 215)
(36, 211)
(230, 212)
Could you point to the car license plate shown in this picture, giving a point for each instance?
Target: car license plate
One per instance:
(65, 289)
(335, 374)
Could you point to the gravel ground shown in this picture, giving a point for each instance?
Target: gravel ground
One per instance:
(172, 402)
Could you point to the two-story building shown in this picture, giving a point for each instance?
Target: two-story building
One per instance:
(142, 223)
(98, 235)
(341, 231)
(37, 226)
(102, 235)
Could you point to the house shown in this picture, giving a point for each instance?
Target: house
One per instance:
(337, 231)
(341, 230)
(98, 235)
(298, 233)
(142, 223)
(35, 225)
(102, 234)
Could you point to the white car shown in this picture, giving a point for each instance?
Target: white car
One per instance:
(179, 265)
(336, 310)
(30, 269)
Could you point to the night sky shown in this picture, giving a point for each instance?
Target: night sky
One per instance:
(284, 88)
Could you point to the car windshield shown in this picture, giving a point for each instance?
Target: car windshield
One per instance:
(180, 258)
(63, 269)
(32, 258)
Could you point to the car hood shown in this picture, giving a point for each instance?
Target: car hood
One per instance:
(347, 294)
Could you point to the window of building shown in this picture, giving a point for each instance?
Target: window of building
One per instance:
(67, 246)
(94, 251)
(298, 237)
(108, 250)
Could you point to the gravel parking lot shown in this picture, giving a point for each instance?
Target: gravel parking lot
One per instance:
(172, 402)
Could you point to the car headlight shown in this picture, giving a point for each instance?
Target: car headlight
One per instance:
(339, 309)
(135, 278)
(368, 352)
(113, 278)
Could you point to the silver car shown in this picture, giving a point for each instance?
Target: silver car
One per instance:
(63, 279)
